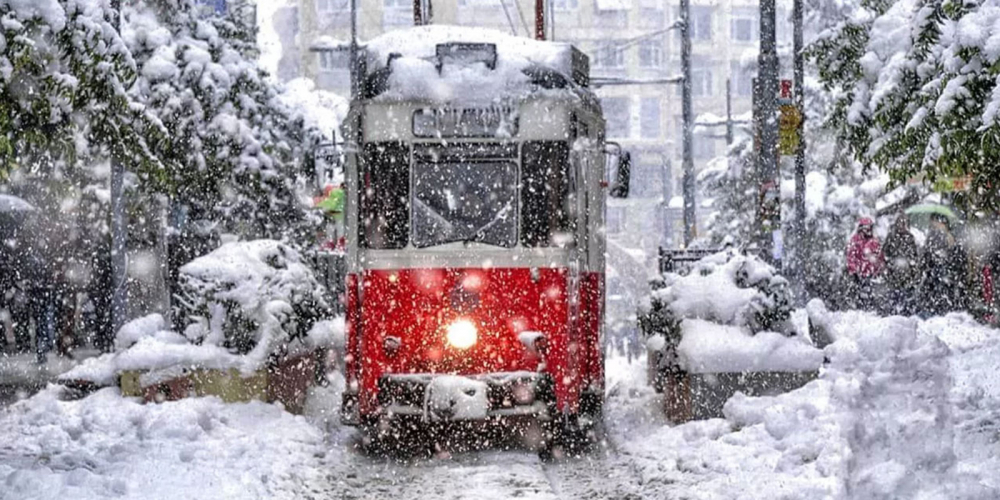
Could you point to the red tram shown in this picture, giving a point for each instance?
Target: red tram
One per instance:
(475, 214)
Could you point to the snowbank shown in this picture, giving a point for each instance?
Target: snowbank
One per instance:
(904, 409)
(708, 347)
(106, 446)
(730, 313)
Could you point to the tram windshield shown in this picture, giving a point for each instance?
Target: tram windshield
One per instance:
(472, 201)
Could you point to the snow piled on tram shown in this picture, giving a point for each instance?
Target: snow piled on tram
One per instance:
(415, 72)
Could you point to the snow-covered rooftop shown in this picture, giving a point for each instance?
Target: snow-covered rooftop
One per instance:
(415, 73)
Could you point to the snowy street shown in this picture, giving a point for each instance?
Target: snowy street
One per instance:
(802, 444)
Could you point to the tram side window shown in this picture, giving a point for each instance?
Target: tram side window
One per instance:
(546, 218)
(385, 194)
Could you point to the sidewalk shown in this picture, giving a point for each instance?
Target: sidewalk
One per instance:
(21, 375)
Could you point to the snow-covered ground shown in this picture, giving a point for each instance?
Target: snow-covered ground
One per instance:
(904, 409)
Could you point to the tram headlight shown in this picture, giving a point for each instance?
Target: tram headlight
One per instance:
(462, 334)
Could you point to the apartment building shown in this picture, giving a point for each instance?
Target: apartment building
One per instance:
(626, 39)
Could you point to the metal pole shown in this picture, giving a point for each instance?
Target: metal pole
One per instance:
(800, 152)
(119, 234)
(353, 50)
(769, 210)
(539, 19)
(552, 20)
(687, 116)
(729, 112)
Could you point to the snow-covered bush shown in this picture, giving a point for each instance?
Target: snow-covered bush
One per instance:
(724, 288)
(250, 297)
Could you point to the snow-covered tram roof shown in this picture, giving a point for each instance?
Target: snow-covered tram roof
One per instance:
(403, 65)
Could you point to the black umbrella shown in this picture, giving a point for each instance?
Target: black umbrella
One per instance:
(10, 204)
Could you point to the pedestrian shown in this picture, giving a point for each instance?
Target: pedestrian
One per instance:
(990, 280)
(943, 267)
(901, 255)
(864, 264)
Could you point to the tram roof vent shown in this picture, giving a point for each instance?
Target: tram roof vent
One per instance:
(464, 53)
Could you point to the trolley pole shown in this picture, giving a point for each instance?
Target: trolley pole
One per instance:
(769, 237)
(798, 230)
(688, 118)
(729, 113)
(539, 19)
(119, 233)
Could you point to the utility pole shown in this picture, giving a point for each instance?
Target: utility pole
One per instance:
(729, 113)
(769, 238)
(539, 19)
(552, 20)
(688, 117)
(800, 152)
(353, 51)
(119, 234)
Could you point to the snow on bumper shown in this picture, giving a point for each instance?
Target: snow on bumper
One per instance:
(446, 398)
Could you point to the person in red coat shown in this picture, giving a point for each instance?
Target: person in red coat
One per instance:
(864, 263)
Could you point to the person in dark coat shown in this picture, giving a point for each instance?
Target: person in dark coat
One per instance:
(944, 269)
(14, 283)
(901, 257)
(40, 276)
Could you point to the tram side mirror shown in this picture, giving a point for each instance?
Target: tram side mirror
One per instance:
(622, 175)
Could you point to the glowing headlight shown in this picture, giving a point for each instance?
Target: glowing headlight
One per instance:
(462, 334)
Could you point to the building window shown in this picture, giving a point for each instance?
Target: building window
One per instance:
(565, 4)
(703, 148)
(398, 4)
(651, 13)
(701, 23)
(211, 6)
(324, 6)
(743, 29)
(615, 222)
(649, 118)
(651, 53)
(331, 60)
(701, 81)
(617, 115)
(609, 56)
(742, 79)
(646, 181)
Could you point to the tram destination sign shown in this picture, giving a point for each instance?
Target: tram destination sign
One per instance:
(498, 121)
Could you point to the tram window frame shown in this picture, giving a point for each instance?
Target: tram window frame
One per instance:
(541, 219)
(389, 163)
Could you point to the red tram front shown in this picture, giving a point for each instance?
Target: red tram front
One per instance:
(475, 288)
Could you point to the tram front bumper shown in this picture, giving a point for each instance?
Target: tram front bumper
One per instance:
(453, 398)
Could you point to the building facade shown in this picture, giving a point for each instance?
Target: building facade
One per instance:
(634, 40)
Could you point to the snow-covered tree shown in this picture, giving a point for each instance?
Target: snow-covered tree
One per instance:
(917, 93)
(64, 75)
(235, 149)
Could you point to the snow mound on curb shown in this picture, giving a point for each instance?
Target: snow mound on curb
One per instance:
(251, 297)
(106, 446)
(895, 413)
(712, 348)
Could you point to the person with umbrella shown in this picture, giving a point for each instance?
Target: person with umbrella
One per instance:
(864, 264)
(943, 265)
(901, 257)
(14, 216)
